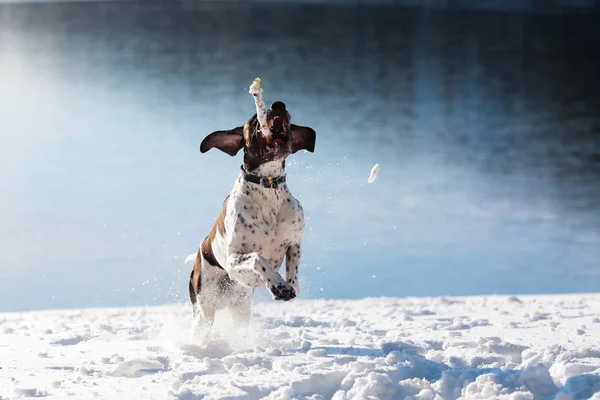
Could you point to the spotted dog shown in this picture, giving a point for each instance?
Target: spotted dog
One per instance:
(260, 222)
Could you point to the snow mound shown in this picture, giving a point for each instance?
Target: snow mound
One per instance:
(501, 347)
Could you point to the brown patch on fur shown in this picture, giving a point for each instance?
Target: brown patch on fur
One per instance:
(194, 284)
(247, 132)
(192, 289)
(206, 246)
(205, 251)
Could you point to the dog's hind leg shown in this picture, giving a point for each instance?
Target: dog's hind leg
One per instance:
(241, 308)
(203, 311)
(193, 288)
(203, 320)
(195, 282)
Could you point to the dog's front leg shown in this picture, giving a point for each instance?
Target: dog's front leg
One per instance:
(254, 270)
(292, 261)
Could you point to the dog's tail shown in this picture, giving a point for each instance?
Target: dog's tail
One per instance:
(191, 258)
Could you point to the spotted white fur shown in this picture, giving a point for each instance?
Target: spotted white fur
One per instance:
(264, 223)
(262, 227)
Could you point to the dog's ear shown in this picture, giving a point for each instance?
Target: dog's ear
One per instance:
(303, 138)
(230, 141)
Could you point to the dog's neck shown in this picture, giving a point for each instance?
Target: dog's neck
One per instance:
(266, 197)
(273, 169)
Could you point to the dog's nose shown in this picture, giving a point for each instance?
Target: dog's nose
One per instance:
(278, 106)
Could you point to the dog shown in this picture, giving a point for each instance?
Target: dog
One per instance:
(260, 223)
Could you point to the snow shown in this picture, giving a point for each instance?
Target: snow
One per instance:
(505, 347)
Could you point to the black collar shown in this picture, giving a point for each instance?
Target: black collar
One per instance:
(269, 182)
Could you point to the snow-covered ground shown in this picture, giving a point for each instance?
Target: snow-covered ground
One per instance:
(525, 347)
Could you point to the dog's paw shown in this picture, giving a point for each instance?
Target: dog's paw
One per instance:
(282, 292)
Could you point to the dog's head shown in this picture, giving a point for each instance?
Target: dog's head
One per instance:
(286, 138)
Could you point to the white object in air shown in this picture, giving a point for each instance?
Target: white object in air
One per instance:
(261, 110)
(374, 172)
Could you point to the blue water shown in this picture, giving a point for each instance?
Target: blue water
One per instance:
(486, 125)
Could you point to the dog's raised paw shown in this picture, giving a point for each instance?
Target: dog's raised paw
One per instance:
(283, 292)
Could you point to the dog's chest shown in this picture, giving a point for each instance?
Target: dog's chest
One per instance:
(266, 221)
